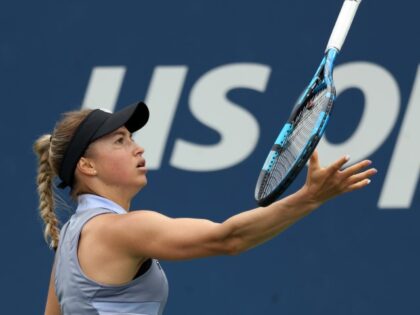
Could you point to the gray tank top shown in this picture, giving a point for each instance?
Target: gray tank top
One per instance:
(77, 294)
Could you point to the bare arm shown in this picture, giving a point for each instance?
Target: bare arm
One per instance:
(150, 234)
(52, 306)
(259, 225)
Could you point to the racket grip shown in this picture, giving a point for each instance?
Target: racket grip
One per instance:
(343, 23)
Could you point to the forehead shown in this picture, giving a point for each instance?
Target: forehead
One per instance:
(122, 131)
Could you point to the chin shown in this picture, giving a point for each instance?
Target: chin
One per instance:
(142, 184)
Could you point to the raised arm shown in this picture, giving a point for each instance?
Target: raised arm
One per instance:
(259, 225)
(150, 234)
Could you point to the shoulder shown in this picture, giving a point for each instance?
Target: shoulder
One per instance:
(114, 222)
(119, 231)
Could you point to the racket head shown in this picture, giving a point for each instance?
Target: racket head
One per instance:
(299, 136)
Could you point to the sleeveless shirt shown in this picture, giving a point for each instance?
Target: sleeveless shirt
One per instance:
(80, 295)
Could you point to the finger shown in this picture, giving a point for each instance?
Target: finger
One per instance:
(358, 185)
(314, 160)
(337, 165)
(353, 169)
(362, 176)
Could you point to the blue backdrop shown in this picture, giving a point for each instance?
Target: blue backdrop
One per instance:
(220, 78)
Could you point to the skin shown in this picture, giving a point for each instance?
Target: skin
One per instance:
(113, 247)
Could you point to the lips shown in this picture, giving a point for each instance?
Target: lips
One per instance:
(142, 163)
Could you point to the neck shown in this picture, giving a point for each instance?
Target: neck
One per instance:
(118, 194)
(121, 198)
(123, 202)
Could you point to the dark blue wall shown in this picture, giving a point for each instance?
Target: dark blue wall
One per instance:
(357, 255)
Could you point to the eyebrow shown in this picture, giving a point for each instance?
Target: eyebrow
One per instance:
(121, 132)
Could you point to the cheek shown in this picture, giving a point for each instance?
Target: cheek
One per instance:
(116, 166)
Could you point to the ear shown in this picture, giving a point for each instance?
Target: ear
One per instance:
(86, 166)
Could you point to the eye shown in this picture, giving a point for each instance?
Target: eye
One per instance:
(131, 137)
(120, 140)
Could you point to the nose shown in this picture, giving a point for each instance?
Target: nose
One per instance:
(138, 150)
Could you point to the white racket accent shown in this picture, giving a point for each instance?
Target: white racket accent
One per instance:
(343, 23)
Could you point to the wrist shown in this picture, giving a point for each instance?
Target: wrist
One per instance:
(308, 199)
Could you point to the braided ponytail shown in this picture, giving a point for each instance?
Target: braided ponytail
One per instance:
(45, 191)
(50, 151)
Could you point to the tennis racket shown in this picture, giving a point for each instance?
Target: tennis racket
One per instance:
(306, 124)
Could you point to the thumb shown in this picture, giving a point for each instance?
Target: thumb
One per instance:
(314, 160)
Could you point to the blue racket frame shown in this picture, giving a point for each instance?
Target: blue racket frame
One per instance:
(267, 190)
(321, 80)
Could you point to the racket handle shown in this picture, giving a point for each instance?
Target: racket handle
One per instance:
(343, 23)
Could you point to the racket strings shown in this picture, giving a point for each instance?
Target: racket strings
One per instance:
(296, 142)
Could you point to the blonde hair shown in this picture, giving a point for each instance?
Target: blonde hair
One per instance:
(50, 150)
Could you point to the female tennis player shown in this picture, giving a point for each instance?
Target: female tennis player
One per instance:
(106, 255)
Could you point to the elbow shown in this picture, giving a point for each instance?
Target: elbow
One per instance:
(228, 242)
(234, 246)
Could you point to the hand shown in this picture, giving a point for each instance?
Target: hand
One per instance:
(323, 184)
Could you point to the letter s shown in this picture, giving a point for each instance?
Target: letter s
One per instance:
(238, 129)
